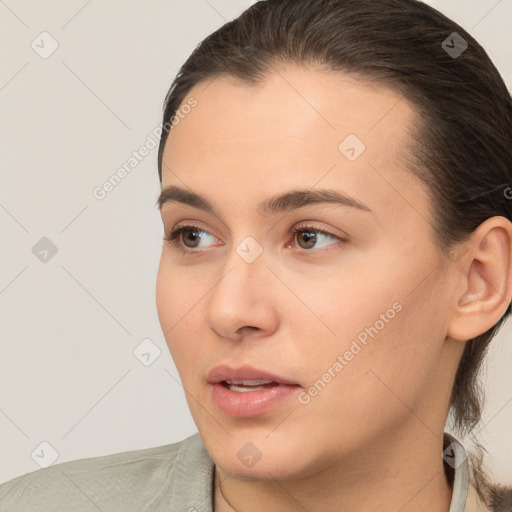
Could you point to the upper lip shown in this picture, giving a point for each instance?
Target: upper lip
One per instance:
(224, 372)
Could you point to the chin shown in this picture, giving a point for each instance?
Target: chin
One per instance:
(256, 456)
(277, 468)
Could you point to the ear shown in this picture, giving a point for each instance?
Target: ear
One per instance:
(486, 287)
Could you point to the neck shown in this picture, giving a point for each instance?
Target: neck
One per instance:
(389, 476)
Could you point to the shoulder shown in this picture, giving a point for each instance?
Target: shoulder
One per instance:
(132, 479)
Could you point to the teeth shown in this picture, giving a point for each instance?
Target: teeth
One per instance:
(258, 382)
(248, 385)
(243, 389)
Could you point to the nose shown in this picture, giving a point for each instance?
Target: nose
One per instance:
(243, 302)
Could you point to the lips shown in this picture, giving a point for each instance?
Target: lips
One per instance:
(247, 392)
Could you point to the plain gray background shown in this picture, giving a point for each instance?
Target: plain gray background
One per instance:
(70, 324)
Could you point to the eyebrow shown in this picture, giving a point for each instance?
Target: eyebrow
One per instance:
(279, 203)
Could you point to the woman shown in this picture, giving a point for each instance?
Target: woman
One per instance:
(337, 229)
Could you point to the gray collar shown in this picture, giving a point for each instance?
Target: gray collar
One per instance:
(456, 457)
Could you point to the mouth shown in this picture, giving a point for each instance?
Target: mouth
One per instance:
(245, 386)
(245, 377)
(247, 392)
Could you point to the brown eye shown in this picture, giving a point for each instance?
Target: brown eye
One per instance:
(192, 236)
(187, 238)
(309, 239)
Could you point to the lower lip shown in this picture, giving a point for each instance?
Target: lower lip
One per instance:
(250, 404)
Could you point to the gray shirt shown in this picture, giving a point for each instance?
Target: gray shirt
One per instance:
(176, 477)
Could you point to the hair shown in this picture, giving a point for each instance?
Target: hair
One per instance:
(461, 142)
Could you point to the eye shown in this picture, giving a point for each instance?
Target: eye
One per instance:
(190, 236)
(309, 237)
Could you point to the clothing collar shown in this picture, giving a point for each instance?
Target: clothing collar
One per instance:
(456, 457)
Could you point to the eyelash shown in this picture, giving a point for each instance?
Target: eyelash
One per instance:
(173, 239)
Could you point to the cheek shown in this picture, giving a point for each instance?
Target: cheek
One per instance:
(180, 312)
(373, 386)
(171, 302)
(389, 334)
(389, 359)
(165, 297)
(177, 291)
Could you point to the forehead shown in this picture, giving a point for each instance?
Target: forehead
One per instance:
(293, 100)
(297, 127)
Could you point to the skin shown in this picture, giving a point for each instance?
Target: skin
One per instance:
(372, 438)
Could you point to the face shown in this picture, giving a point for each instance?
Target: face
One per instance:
(303, 302)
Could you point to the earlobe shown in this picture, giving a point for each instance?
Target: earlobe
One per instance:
(487, 286)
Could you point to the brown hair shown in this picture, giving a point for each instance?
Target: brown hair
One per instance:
(462, 142)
